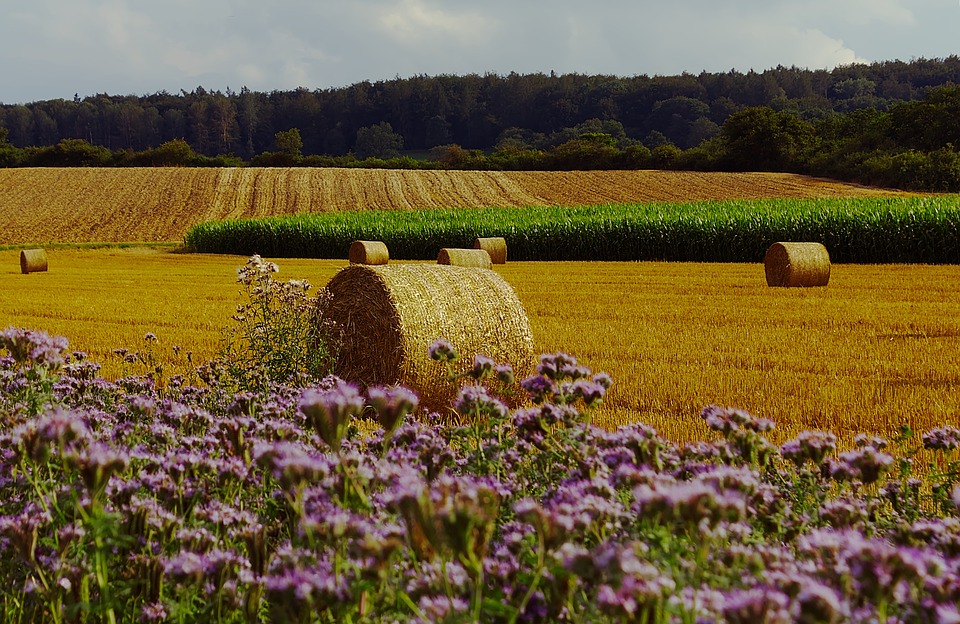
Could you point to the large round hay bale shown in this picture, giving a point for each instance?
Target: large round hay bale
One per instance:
(390, 315)
(495, 246)
(369, 252)
(797, 264)
(33, 260)
(474, 258)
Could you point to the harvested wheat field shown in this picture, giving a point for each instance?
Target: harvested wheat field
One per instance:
(877, 348)
(78, 205)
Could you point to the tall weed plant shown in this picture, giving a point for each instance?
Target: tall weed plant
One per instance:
(278, 335)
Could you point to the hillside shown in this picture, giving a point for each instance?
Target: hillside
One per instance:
(61, 205)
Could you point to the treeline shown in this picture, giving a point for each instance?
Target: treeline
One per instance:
(892, 123)
(474, 111)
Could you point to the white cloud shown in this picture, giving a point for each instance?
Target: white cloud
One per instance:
(411, 21)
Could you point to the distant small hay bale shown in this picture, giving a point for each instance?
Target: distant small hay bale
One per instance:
(390, 315)
(369, 252)
(473, 258)
(495, 246)
(797, 264)
(33, 260)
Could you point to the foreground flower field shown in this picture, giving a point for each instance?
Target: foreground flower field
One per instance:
(125, 502)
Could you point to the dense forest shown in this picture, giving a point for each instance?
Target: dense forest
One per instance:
(894, 123)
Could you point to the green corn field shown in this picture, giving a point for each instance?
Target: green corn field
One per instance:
(914, 229)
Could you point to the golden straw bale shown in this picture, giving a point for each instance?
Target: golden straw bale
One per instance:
(33, 260)
(475, 258)
(495, 246)
(369, 252)
(797, 264)
(390, 315)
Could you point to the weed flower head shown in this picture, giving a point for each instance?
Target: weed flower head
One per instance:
(442, 351)
(865, 464)
(392, 404)
(31, 349)
(812, 446)
(942, 438)
(328, 412)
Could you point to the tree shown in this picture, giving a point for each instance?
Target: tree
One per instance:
(175, 153)
(289, 143)
(762, 139)
(589, 151)
(71, 153)
(10, 155)
(378, 141)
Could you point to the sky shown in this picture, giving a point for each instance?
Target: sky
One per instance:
(58, 48)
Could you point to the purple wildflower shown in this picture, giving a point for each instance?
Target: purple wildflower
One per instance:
(153, 612)
(442, 351)
(30, 348)
(689, 503)
(442, 608)
(812, 446)
(942, 438)
(476, 401)
(604, 380)
(392, 404)
(299, 591)
(504, 373)
(844, 513)
(96, 463)
(538, 387)
(554, 366)
(863, 440)
(726, 420)
(758, 605)
(482, 367)
(818, 604)
(329, 411)
(865, 464)
(590, 391)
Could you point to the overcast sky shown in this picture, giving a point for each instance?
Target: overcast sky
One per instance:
(56, 48)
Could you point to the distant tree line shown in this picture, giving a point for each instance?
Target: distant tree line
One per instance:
(892, 123)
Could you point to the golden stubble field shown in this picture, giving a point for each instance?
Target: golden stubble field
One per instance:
(877, 348)
(80, 205)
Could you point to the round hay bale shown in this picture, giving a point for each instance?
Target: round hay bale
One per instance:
(495, 246)
(474, 258)
(33, 260)
(797, 264)
(369, 252)
(390, 315)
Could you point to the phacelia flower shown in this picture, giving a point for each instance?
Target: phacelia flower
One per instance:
(442, 351)
(942, 438)
(392, 404)
(812, 446)
(329, 411)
